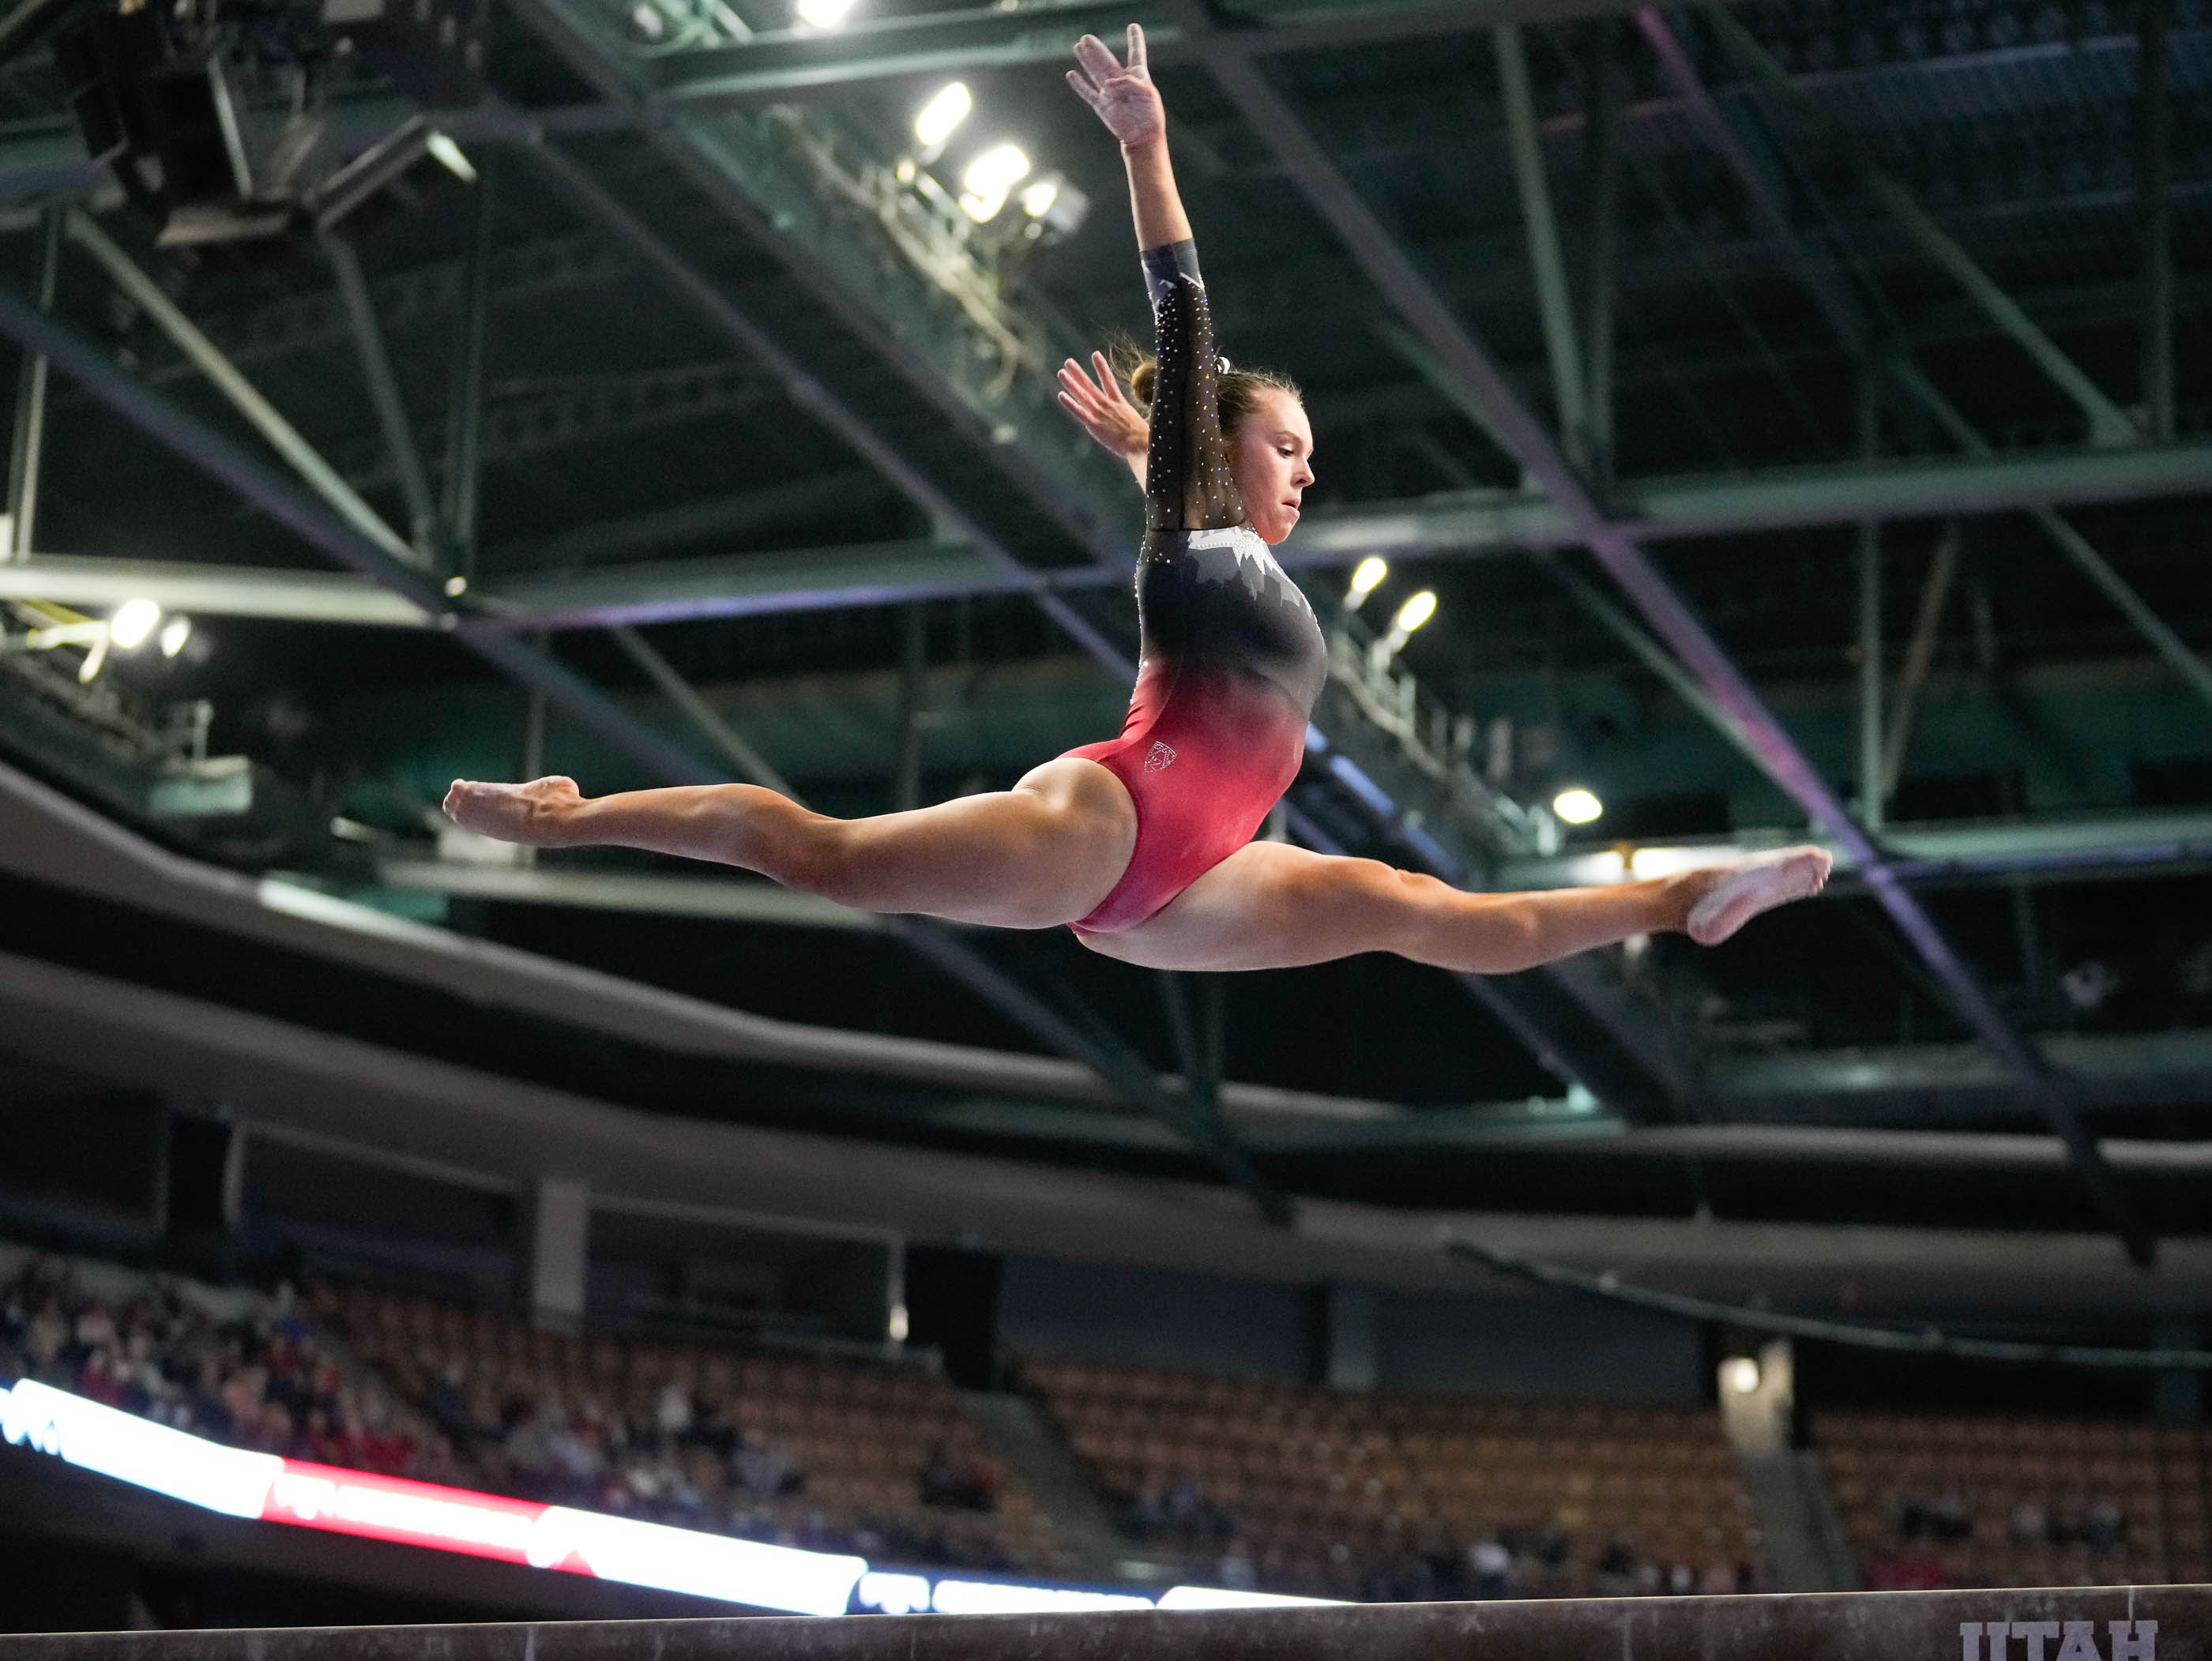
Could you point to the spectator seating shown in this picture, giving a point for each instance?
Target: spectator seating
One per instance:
(1976, 1501)
(811, 1451)
(833, 1454)
(1325, 1490)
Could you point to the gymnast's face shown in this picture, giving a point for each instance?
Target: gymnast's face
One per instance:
(1273, 464)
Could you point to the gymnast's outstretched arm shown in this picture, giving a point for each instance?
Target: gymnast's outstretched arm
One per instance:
(1126, 102)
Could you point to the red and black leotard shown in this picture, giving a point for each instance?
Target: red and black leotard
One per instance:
(1232, 657)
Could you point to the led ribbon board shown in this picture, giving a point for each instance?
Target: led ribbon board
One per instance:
(271, 1488)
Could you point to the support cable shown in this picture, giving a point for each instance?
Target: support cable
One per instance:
(1925, 1340)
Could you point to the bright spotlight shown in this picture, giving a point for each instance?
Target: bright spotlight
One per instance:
(990, 176)
(174, 633)
(450, 157)
(133, 621)
(1416, 611)
(1579, 807)
(944, 111)
(1366, 577)
(824, 13)
(1740, 1373)
(1037, 199)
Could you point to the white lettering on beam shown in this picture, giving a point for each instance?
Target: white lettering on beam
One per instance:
(1985, 1640)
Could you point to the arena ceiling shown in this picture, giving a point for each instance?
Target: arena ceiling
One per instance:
(1799, 411)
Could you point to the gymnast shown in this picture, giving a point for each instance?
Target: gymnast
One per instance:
(1142, 845)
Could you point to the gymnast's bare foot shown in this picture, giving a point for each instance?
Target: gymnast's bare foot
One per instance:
(1723, 900)
(540, 813)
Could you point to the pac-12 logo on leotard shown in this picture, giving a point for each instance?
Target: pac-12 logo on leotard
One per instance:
(1156, 758)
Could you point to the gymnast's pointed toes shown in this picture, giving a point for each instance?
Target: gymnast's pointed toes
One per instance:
(1744, 891)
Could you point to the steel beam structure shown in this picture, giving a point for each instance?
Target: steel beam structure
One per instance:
(27, 441)
(785, 65)
(1464, 525)
(585, 410)
(585, 193)
(2154, 179)
(1601, 165)
(218, 454)
(1871, 662)
(1375, 249)
(405, 456)
(704, 717)
(1555, 303)
(1881, 341)
(464, 398)
(2108, 423)
(263, 416)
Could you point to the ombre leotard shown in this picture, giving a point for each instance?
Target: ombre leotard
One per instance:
(1232, 657)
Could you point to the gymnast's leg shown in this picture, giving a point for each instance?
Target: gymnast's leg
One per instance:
(1039, 855)
(1269, 905)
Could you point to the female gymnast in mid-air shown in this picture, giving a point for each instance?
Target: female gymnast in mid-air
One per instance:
(1142, 845)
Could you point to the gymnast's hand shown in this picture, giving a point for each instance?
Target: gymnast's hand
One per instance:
(1123, 97)
(1111, 419)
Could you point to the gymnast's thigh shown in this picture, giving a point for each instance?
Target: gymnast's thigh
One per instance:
(1270, 906)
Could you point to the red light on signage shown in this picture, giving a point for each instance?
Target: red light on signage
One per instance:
(413, 1514)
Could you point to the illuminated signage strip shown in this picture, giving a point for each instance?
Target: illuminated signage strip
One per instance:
(264, 1486)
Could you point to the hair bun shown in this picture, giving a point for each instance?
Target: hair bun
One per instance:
(1143, 379)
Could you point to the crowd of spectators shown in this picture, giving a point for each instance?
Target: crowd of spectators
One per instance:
(1958, 1500)
(253, 1372)
(305, 1376)
(1532, 1560)
(1297, 1489)
(796, 1451)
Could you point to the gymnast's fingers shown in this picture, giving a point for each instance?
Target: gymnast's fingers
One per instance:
(1137, 49)
(1083, 89)
(1096, 58)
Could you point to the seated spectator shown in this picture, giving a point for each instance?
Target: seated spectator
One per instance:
(967, 1486)
(2029, 1527)
(1614, 1574)
(763, 1466)
(2103, 1525)
(1491, 1573)
(1235, 1571)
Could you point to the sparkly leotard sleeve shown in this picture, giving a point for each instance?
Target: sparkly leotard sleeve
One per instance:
(1232, 658)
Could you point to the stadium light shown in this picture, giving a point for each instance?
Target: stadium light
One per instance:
(1410, 615)
(943, 111)
(449, 157)
(989, 178)
(174, 633)
(824, 13)
(133, 624)
(1579, 807)
(1366, 577)
(1740, 1373)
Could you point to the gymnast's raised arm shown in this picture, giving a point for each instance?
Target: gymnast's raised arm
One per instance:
(1188, 474)
(1126, 100)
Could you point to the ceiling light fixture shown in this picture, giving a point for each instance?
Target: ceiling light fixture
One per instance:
(449, 157)
(133, 624)
(989, 178)
(1576, 806)
(943, 111)
(1366, 577)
